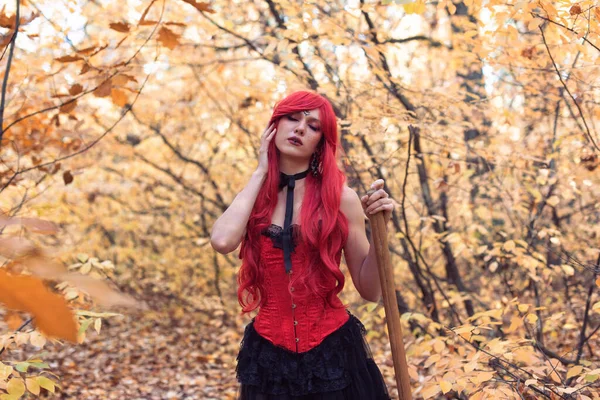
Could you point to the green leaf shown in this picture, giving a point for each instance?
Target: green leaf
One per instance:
(85, 325)
(22, 366)
(591, 377)
(40, 365)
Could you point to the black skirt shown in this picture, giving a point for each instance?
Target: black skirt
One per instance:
(340, 367)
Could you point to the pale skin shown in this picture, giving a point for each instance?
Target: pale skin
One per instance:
(359, 252)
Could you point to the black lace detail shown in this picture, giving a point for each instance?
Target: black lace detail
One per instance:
(342, 360)
(275, 232)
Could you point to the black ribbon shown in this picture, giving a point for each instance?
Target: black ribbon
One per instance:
(290, 182)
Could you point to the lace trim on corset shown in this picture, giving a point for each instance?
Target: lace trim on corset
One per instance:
(275, 232)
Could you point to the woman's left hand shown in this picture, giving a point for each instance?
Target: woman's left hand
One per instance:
(378, 201)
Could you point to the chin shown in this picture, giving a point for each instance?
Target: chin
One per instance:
(294, 152)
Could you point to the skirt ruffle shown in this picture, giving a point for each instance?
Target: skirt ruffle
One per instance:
(341, 367)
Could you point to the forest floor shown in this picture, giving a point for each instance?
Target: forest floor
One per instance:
(176, 353)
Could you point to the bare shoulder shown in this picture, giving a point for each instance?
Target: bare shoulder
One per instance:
(350, 204)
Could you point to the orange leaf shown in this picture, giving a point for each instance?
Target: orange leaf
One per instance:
(67, 177)
(576, 9)
(87, 50)
(67, 59)
(122, 27)
(27, 293)
(104, 89)
(119, 97)
(9, 22)
(75, 89)
(146, 12)
(5, 39)
(200, 6)
(168, 38)
(68, 107)
(598, 282)
(13, 320)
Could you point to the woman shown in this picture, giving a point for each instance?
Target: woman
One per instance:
(294, 218)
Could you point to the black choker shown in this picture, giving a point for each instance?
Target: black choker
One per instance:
(290, 182)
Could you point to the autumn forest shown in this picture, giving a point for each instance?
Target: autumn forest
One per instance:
(128, 127)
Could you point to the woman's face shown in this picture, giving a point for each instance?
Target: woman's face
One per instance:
(298, 134)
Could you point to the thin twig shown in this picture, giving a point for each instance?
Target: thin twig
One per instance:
(7, 72)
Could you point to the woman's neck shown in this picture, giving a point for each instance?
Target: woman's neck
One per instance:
(292, 167)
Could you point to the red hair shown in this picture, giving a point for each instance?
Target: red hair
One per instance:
(325, 238)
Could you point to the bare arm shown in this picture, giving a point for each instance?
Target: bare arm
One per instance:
(359, 252)
(229, 229)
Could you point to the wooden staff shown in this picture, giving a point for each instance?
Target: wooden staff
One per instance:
(390, 303)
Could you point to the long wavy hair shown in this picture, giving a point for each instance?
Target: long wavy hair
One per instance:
(324, 238)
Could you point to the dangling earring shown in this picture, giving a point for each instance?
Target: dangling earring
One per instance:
(316, 163)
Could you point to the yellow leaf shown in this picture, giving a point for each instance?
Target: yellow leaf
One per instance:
(86, 268)
(413, 373)
(446, 386)
(417, 7)
(33, 386)
(484, 376)
(568, 270)
(45, 383)
(509, 245)
(438, 346)
(97, 325)
(433, 359)
(451, 8)
(37, 339)
(5, 371)
(574, 371)
(515, 323)
(523, 307)
(470, 367)
(553, 201)
(16, 387)
(531, 318)
(431, 391)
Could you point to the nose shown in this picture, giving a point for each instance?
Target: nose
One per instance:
(301, 127)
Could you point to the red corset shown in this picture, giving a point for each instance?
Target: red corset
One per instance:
(284, 319)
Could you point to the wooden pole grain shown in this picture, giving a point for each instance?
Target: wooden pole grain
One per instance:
(392, 314)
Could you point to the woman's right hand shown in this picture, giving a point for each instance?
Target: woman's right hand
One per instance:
(265, 139)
